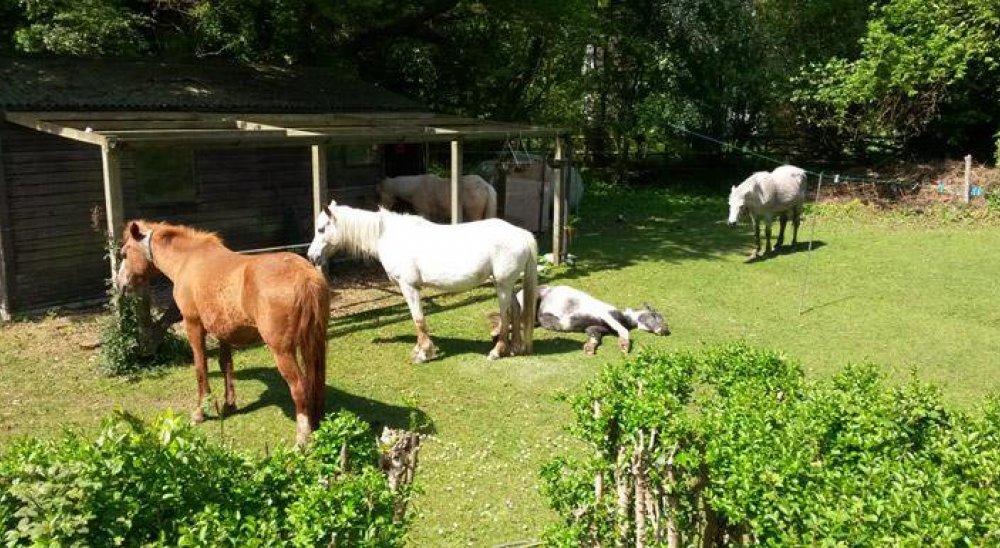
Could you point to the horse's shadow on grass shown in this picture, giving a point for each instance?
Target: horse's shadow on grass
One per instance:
(375, 413)
(396, 313)
(451, 346)
(799, 247)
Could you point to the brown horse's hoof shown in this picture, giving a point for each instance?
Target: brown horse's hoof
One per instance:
(198, 416)
(228, 409)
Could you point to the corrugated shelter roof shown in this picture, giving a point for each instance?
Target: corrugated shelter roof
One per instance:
(39, 83)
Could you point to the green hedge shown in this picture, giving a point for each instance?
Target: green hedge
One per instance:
(733, 446)
(163, 484)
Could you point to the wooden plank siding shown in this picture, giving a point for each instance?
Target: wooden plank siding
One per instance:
(253, 198)
(6, 247)
(54, 185)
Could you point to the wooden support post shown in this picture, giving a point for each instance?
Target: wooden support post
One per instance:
(7, 273)
(320, 188)
(968, 178)
(456, 180)
(558, 212)
(500, 186)
(567, 176)
(113, 204)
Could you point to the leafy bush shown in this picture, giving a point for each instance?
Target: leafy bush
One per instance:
(733, 446)
(163, 484)
(126, 349)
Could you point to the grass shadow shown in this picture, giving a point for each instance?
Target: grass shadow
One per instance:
(451, 346)
(799, 247)
(395, 313)
(679, 216)
(375, 413)
(622, 227)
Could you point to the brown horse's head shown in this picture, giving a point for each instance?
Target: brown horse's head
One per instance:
(136, 266)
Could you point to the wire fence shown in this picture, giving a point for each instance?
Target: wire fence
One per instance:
(833, 178)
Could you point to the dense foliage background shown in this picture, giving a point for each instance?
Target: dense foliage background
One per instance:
(834, 77)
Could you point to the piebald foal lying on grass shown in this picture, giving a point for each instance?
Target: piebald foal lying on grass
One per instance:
(562, 308)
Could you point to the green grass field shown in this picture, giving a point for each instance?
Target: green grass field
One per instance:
(908, 295)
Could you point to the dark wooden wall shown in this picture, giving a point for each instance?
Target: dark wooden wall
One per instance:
(55, 194)
(253, 198)
(352, 185)
(53, 187)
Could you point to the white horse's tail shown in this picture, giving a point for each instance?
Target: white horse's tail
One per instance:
(528, 310)
(491, 202)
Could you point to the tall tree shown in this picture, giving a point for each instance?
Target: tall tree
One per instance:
(927, 73)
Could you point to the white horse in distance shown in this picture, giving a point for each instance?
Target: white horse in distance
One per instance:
(417, 253)
(430, 196)
(766, 194)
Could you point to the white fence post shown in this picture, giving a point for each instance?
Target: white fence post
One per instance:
(968, 177)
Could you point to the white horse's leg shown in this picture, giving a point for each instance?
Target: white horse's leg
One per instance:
(505, 295)
(624, 342)
(594, 335)
(424, 349)
(767, 235)
(517, 340)
(796, 219)
(756, 229)
(782, 221)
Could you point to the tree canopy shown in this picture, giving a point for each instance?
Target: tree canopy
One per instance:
(837, 75)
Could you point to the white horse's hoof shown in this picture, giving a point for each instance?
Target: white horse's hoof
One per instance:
(418, 355)
(493, 355)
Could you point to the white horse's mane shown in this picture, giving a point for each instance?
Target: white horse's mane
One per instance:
(751, 182)
(360, 230)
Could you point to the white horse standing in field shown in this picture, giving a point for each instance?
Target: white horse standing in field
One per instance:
(417, 253)
(766, 194)
(430, 196)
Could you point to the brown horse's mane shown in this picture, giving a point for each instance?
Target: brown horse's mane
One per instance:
(169, 232)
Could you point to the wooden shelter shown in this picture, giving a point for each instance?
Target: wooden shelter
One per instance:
(252, 153)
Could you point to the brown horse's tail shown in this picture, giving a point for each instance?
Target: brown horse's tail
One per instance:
(314, 307)
(490, 211)
(530, 288)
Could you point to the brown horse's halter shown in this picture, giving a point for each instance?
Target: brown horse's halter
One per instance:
(147, 248)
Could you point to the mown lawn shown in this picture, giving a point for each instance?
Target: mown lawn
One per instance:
(908, 295)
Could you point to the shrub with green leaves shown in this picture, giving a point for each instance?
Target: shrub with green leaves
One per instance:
(734, 446)
(163, 484)
(127, 347)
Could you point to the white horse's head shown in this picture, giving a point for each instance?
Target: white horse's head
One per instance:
(737, 202)
(326, 240)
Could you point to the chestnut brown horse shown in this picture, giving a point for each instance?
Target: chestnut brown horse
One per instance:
(239, 299)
